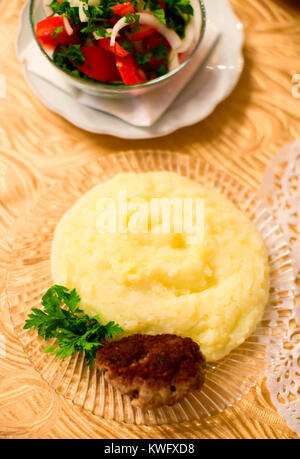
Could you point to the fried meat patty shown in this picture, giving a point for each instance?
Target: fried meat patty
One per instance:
(154, 370)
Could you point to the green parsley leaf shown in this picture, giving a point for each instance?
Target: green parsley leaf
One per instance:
(58, 294)
(111, 329)
(57, 31)
(162, 70)
(61, 318)
(178, 14)
(142, 58)
(64, 8)
(101, 11)
(95, 11)
(132, 18)
(95, 28)
(160, 14)
(128, 46)
(185, 7)
(161, 52)
(102, 32)
(73, 53)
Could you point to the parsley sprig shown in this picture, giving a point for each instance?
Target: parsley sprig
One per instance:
(67, 58)
(64, 8)
(61, 318)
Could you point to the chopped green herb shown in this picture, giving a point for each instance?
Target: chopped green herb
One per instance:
(162, 70)
(95, 28)
(185, 7)
(67, 58)
(57, 31)
(102, 32)
(160, 14)
(64, 8)
(128, 46)
(95, 11)
(161, 52)
(132, 18)
(142, 58)
(178, 14)
(73, 53)
(102, 11)
(61, 318)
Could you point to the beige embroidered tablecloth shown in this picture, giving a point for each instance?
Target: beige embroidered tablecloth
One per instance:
(37, 147)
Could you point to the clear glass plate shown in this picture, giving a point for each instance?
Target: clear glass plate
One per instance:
(29, 276)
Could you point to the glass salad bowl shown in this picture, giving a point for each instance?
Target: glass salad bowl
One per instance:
(115, 89)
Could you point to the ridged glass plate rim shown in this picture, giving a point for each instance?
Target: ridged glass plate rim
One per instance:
(227, 380)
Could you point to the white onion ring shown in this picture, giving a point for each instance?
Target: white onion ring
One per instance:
(173, 61)
(149, 19)
(82, 16)
(116, 29)
(67, 25)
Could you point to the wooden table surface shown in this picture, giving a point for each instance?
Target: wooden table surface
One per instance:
(37, 147)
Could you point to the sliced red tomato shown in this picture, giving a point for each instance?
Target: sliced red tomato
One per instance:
(155, 63)
(153, 40)
(52, 32)
(99, 64)
(129, 70)
(144, 32)
(117, 49)
(123, 8)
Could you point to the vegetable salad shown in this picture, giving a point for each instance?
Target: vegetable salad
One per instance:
(116, 41)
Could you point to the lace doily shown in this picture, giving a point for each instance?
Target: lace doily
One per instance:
(280, 189)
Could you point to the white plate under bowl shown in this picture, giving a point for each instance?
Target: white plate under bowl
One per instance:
(211, 84)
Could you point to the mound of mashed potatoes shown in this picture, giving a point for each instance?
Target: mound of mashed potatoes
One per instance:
(130, 267)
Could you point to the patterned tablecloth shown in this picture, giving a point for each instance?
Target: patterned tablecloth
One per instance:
(38, 147)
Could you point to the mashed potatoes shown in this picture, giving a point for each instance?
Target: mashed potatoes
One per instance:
(212, 289)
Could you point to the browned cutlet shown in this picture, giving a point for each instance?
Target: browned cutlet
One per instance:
(154, 370)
